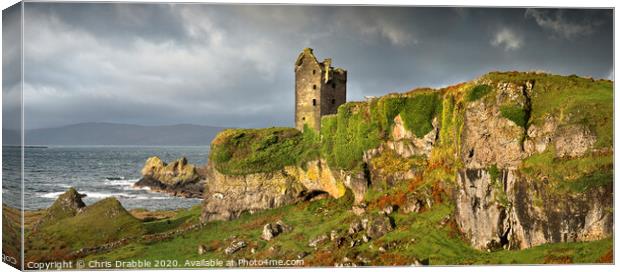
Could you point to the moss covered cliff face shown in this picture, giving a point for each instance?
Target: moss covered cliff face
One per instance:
(507, 150)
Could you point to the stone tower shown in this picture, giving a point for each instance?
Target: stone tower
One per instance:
(319, 89)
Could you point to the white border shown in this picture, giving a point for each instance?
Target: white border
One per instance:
(471, 3)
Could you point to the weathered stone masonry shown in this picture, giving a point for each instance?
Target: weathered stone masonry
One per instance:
(319, 89)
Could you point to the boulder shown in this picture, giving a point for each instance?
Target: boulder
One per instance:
(388, 209)
(359, 209)
(379, 226)
(202, 249)
(318, 240)
(413, 205)
(272, 230)
(333, 235)
(234, 247)
(355, 227)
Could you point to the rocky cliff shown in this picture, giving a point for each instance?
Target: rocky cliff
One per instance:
(179, 178)
(506, 196)
(522, 158)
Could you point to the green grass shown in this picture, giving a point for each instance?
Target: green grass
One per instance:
(184, 217)
(477, 92)
(594, 180)
(307, 220)
(494, 172)
(419, 111)
(246, 151)
(574, 174)
(516, 114)
(440, 244)
(102, 222)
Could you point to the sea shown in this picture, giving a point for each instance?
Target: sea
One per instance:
(97, 171)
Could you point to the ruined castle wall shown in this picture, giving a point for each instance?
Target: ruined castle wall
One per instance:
(308, 85)
(333, 93)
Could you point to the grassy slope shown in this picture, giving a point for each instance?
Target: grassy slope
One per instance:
(11, 235)
(440, 244)
(103, 222)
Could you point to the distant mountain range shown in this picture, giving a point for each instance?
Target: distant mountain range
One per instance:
(116, 134)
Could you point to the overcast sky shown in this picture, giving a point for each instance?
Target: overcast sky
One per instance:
(233, 65)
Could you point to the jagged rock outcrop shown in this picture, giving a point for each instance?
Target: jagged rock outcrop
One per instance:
(487, 137)
(66, 205)
(179, 178)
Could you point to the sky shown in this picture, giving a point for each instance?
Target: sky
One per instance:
(11, 69)
(232, 65)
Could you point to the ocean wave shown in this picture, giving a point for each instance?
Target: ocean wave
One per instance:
(121, 182)
(51, 195)
(153, 197)
(106, 195)
(136, 188)
(90, 195)
(115, 178)
(98, 195)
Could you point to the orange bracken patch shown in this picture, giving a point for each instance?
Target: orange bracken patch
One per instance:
(607, 257)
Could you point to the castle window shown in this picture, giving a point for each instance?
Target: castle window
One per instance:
(314, 72)
(313, 102)
(314, 87)
(303, 118)
(333, 101)
(334, 85)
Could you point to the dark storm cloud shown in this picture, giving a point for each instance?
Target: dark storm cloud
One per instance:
(232, 65)
(11, 64)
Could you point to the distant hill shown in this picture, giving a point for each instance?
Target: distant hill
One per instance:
(120, 134)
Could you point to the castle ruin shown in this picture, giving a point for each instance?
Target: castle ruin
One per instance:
(319, 89)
